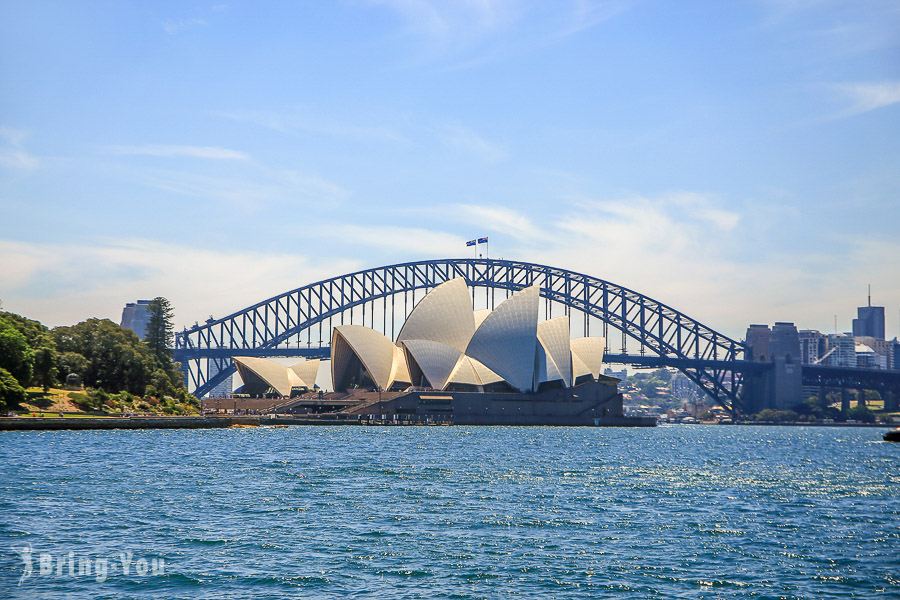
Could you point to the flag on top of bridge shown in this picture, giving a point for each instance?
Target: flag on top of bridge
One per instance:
(482, 240)
(470, 243)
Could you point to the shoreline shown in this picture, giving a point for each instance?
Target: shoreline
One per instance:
(219, 422)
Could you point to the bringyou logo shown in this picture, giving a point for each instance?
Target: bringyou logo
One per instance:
(98, 568)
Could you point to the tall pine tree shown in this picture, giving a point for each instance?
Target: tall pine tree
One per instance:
(160, 331)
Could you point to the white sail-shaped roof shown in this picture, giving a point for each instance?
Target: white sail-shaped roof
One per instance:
(307, 371)
(437, 360)
(400, 372)
(506, 341)
(578, 367)
(279, 377)
(485, 375)
(553, 335)
(464, 373)
(444, 315)
(546, 368)
(590, 351)
(374, 350)
(470, 371)
(480, 316)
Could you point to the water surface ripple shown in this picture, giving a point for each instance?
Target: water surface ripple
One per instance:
(457, 512)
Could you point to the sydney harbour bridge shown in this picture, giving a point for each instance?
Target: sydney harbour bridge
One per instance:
(299, 322)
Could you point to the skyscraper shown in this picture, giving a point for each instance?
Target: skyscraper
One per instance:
(869, 321)
(135, 317)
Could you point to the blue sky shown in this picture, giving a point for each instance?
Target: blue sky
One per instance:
(737, 160)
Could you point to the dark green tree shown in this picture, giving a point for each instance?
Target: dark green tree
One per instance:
(861, 414)
(42, 345)
(115, 358)
(160, 331)
(16, 356)
(11, 393)
(71, 362)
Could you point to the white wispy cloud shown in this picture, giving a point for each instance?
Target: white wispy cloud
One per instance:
(174, 151)
(476, 32)
(252, 189)
(299, 118)
(586, 14)
(687, 250)
(496, 218)
(866, 97)
(455, 22)
(468, 141)
(12, 153)
(175, 26)
(388, 240)
(62, 284)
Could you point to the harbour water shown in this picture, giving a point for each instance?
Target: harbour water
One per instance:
(452, 512)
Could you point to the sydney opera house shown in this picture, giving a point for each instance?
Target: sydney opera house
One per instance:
(451, 362)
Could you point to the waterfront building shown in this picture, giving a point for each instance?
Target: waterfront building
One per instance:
(486, 367)
(135, 317)
(264, 377)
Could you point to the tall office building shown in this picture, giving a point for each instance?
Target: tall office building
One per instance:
(813, 345)
(841, 350)
(135, 317)
(869, 321)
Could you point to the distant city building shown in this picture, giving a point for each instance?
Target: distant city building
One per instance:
(869, 321)
(813, 346)
(865, 357)
(623, 374)
(883, 352)
(841, 350)
(135, 317)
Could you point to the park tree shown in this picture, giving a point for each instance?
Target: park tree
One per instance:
(71, 362)
(862, 414)
(43, 348)
(11, 392)
(114, 357)
(16, 356)
(160, 331)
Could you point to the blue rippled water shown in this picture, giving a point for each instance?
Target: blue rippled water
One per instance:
(455, 512)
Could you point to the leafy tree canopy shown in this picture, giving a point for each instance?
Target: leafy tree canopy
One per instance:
(38, 338)
(861, 414)
(11, 393)
(115, 359)
(16, 356)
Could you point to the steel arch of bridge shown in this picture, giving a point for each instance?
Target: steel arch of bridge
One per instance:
(706, 357)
